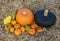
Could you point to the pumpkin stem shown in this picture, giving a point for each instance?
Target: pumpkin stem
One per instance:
(46, 13)
(24, 12)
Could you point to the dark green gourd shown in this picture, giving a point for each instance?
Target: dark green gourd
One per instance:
(45, 18)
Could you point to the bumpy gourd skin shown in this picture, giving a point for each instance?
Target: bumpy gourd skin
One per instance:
(45, 21)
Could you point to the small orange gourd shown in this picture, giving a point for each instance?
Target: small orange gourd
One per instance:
(17, 32)
(24, 17)
(34, 26)
(17, 26)
(32, 32)
(22, 29)
(40, 30)
(13, 22)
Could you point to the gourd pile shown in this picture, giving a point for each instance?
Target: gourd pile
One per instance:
(23, 21)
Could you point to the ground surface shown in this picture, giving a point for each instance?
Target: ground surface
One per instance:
(9, 6)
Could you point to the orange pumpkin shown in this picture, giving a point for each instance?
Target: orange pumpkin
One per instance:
(24, 17)
(13, 22)
(40, 30)
(32, 31)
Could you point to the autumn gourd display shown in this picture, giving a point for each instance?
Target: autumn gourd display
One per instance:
(45, 18)
(23, 21)
(24, 17)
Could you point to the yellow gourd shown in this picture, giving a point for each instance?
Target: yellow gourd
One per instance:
(12, 29)
(7, 20)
